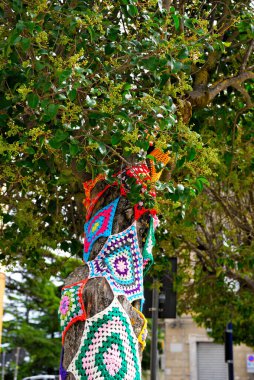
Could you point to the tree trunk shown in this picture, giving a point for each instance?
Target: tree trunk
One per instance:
(97, 297)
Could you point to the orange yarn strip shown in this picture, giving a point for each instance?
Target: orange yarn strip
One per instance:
(89, 186)
(160, 157)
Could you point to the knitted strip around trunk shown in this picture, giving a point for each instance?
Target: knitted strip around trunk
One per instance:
(98, 226)
(159, 157)
(148, 248)
(62, 372)
(71, 307)
(120, 262)
(89, 186)
(143, 333)
(108, 348)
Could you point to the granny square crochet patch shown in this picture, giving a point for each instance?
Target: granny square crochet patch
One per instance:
(148, 248)
(108, 348)
(120, 262)
(71, 307)
(98, 226)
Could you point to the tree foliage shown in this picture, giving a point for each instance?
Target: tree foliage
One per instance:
(32, 324)
(214, 242)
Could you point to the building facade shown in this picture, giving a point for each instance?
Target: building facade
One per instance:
(190, 354)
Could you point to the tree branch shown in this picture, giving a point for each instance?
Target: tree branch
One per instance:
(236, 276)
(244, 93)
(233, 81)
(247, 55)
(166, 4)
(203, 95)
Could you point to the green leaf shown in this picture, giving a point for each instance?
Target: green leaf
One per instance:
(25, 43)
(98, 115)
(57, 141)
(188, 23)
(102, 148)
(30, 150)
(176, 19)
(92, 33)
(109, 48)
(52, 110)
(132, 10)
(180, 162)
(61, 135)
(81, 165)
(143, 144)
(191, 154)
(39, 66)
(228, 156)
(203, 180)
(64, 75)
(33, 100)
(7, 218)
(153, 63)
(177, 66)
(74, 148)
(116, 138)
(72, 94)
(184, 53)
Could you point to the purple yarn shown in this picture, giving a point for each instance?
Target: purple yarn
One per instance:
(62, 372)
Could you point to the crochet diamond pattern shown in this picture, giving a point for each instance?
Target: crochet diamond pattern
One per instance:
(148, 248)
(121, 262)
(108, 348)
(99, 225)
(71, 307)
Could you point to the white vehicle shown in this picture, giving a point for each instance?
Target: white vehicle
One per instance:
(42, 377)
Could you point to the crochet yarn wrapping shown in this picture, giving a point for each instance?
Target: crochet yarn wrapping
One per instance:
(159, 157)
(62, 372)
(100, 225)
(108, 348)
(148, 248)
(71, 307)
(120, 262)
(143, 333)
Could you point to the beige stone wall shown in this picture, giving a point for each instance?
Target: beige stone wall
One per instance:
(181, 336)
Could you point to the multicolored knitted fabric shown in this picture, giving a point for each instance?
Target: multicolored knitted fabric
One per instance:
(143, 333)
(120, 262)
(89, 186)
(71, 307)
(108, 348)
(98, 226)
(159, 157)
(140, 210)
(148, 248)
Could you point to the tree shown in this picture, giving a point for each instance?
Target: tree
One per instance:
(88, 87)
(32, 324)
(215, 240)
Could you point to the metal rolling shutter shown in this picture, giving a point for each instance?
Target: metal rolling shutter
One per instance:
(211, 365)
